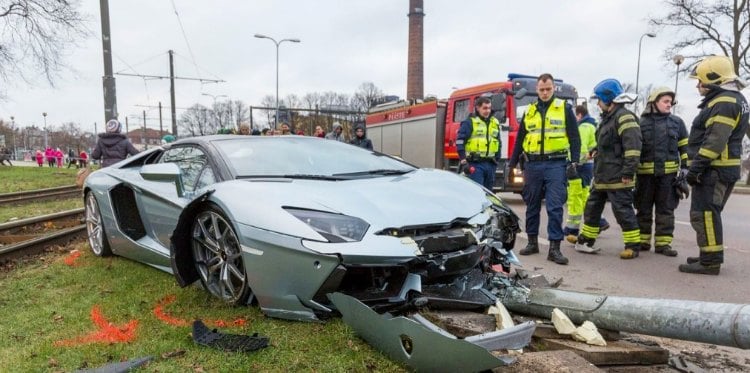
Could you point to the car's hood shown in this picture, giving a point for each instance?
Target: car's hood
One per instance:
(421, 197)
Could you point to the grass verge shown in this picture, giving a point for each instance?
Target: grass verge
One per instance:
(29, 210)
(48, 301)
(30, 178)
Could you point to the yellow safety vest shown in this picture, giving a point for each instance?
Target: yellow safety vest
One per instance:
(555, 136)
(483, 142)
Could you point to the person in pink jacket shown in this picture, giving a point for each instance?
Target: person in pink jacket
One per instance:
(59, 156)
(39, 158)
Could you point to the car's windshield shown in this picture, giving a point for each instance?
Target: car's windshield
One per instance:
(304, 156)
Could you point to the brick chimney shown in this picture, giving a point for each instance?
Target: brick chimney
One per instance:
(415, 72)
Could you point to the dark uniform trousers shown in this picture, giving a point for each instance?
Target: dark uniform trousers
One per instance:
(656, 193)
(545, 180)
(622, 207)
(708, 200)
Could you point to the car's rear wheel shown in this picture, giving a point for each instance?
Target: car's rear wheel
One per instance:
(95, 227)
(218, 257)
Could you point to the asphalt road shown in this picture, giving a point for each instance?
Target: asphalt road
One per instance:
(651, 275)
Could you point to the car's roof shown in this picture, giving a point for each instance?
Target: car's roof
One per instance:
(204, 140)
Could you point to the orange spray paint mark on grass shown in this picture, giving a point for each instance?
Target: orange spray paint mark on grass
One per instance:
(165, 317)
(105, 332)
(71, 259)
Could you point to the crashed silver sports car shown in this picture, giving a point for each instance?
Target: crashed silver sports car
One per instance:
(288, 221)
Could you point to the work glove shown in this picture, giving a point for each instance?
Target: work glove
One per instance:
(571, 171)
(692, 178)
(680, 185)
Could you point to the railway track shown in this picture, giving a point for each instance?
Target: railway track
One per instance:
(33, 235)
(38, 194)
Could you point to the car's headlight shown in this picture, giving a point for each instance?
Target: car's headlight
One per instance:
(334, 227)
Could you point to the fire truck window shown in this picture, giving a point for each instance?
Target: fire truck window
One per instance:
(461, 110)
(523, 104)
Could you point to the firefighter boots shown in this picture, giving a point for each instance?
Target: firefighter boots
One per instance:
(532, 247)
(693, 259)
(586, 245)
(554, 253)
(664, 250)
(698, 268)
(629, 253)
(645, 246)
(571, 235)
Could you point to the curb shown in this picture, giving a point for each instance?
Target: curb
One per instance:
(743, 189)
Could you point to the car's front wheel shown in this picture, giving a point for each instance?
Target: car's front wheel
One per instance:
(218, 257)
(95, 227)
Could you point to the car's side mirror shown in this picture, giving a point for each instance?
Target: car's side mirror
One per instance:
(521, 93)
(164, 172)
(499, 106)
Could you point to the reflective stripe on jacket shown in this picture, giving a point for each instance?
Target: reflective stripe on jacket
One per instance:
(664, 144)
(484, 140)
(716, 134)
(546, 135)
(618, 146)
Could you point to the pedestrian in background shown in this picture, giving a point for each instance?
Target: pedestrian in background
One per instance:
(360, 139)
(337, 133)
(39, 158)
(550, 145)
(319, 132)
(714, 151)
(59, 157)
(663, 153)
(49, 154)
(618, 151)
(578, 188)
(83, 159)
(112, 146)
(72, 158)
(244, 129)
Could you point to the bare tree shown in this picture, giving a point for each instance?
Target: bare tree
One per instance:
(35, 35)
(365, 96)
(268, 101)
(704, 27)
(311, 100)
(198, 120)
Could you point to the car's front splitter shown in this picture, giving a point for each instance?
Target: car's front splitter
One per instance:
(426, 347)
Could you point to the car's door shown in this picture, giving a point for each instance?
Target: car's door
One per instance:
(161, 203)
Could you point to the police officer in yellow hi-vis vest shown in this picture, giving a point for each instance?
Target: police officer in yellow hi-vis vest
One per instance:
(478, 143)
(549, 146)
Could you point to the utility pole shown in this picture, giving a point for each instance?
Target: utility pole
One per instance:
(108, 80)
(161, 127)
(145, 140)
(251, 118)
(171, 92)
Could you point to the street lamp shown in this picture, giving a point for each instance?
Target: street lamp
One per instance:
(45, 130)
(678, 59)
(260, 36)
(13, 128)
(638, 69)
(214, 108)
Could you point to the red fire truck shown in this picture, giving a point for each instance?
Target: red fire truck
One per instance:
(424, 134)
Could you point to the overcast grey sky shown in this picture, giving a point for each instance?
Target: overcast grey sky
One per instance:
(345, 43)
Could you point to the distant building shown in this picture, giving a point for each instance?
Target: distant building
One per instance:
(145, 139)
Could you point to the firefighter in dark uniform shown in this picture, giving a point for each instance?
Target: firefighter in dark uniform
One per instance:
(478, 143)
(549, 146)
(616, 157)
(714, 152)
(663, 154)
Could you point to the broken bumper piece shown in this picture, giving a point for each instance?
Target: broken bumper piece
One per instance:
(423, 345)
(227, 342)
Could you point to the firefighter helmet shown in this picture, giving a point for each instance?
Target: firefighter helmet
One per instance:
(714, 70)
(661, 91)
(607, 90)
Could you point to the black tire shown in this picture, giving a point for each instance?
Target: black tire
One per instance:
(95, 227)
(218, 256)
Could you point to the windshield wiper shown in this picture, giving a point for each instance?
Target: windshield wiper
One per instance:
(294, 176)
(381, 172)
